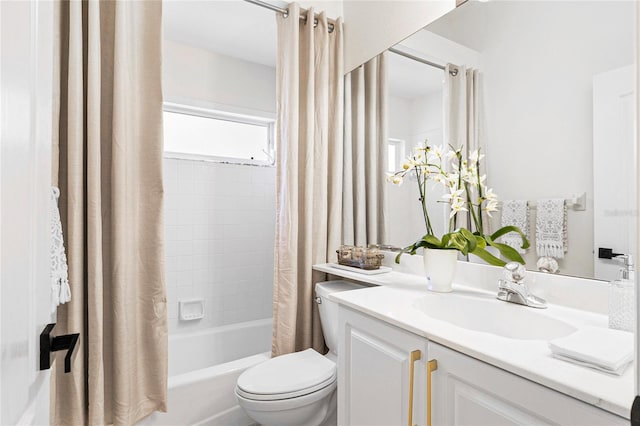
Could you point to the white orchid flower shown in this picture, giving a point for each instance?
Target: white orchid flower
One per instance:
(453, 179)
(437, 150)
(475, 156)
(454, 195)
(489, 195)
(468, 175)
(491, 206)
(432, 158)
(457, 206)
(437, 177)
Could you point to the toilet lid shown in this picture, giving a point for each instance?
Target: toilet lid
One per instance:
(287, 376)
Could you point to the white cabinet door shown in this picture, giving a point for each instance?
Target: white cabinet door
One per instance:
(26, 31)
(468, 392)
(374, 373)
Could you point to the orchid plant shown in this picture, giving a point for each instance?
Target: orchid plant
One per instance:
(466, 194)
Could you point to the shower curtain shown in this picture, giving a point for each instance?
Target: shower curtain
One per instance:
(108, 165)
(462, 107)
(462, 114)
(309, 172)
(365, 154)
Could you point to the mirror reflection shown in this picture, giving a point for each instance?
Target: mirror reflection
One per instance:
(551, 108)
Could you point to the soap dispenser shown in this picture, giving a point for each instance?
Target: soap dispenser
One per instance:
(621, 297)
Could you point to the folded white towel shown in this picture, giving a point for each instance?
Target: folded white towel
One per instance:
(617, 372)
(597, 347)
(551, 228)
(60, 290)
(515, 213)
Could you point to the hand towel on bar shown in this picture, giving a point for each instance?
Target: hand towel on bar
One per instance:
(601, 348)
(515, 213)
(551, 228)
(60, 290)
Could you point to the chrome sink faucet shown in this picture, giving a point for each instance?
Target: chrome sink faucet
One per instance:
(512, 287)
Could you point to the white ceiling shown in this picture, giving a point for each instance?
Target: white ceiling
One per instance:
(229, 27)
(466, 24)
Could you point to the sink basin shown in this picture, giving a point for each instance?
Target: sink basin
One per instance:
(486, 314)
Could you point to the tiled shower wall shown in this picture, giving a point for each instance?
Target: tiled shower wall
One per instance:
(219, 237)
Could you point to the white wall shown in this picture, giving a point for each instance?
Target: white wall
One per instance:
(538, 63)
(219, 234)
(220, 218)
(195, 75)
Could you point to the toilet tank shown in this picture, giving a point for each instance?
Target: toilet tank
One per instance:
(329, 310)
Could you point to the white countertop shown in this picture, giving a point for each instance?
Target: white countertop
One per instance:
(392, 299)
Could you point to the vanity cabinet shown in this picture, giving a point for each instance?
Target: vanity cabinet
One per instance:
(381, 369)
(465, 391)
(375, 371)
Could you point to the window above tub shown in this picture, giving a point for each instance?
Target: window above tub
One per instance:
(215, 135)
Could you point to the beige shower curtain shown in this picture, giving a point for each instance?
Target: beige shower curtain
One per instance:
(309, 172)
(365, 154)
(462, 114)
(108, 165)
(462, 107)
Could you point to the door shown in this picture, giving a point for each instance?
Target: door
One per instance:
(614, 171)
(377, 364)
(26, 35)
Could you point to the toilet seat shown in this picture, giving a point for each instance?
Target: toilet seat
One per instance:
(287, 376)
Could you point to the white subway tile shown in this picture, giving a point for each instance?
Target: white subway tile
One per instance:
(219, 232)
(200, 246)
(185, 278)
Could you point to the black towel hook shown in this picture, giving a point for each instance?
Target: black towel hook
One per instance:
(50, 343)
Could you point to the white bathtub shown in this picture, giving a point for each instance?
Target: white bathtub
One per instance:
(203, 369)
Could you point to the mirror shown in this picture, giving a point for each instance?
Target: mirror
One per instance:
(557, 117)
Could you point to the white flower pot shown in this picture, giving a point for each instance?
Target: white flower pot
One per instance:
(440, 267)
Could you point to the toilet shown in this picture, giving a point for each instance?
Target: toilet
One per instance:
(299, 388)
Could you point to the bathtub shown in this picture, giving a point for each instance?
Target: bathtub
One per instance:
(203, 369)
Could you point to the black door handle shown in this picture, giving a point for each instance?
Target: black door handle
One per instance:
(607, 253)
(50, 343)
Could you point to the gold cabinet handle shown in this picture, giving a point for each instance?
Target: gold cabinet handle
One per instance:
(415, 356)
(432, 366)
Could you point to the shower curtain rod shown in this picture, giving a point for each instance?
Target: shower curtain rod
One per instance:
(453, 72)
(285, 12)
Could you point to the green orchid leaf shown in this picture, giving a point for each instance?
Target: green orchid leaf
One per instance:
(480, 241)
(459, 242)
(507, 251)
(506, 229)
(471, 239)
(446, 238)
(488, 257)
(432, 241)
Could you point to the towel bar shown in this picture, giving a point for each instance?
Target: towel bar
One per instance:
(576, 202)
